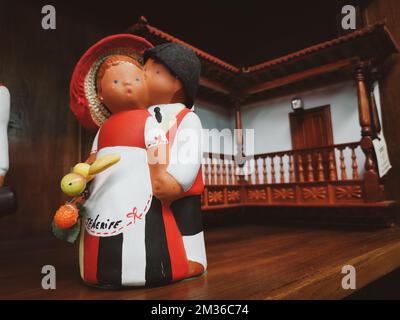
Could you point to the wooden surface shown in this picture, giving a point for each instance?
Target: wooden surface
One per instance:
(248, 262)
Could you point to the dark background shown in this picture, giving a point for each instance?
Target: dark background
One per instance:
(240, 32)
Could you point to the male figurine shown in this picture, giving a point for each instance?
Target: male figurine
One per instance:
(172, 72)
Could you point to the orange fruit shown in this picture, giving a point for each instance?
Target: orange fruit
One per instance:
(66, 216)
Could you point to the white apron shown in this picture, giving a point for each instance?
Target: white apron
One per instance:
(114, 224)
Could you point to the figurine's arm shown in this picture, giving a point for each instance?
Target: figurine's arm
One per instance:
(92, 156)
(163, 184)
(4, 118)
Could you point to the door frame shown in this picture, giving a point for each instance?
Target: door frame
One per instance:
(326, 110)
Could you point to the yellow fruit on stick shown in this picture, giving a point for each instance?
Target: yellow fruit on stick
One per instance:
(82, 169)
(73, 184)
(104, 163)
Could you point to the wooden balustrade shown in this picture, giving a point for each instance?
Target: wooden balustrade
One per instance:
(273, 179)
(316, 176)
(332, 163)
(219, 169)
(291, 170)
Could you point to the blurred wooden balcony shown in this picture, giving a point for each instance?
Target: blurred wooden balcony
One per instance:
(328, 176)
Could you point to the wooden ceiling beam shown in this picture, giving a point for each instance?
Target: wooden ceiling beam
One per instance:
(214, 85)
(295, 77)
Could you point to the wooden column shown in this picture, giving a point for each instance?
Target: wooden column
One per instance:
(376, 124)
(239, 157)
(372, 188)
(238, 126)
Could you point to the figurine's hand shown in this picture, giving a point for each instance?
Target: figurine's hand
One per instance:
(1, 181)
(165, 187)
(91, 158)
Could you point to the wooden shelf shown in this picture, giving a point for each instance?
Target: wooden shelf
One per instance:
(246, 262)
(381, 204)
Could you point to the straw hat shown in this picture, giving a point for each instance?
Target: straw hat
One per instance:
(84, 102)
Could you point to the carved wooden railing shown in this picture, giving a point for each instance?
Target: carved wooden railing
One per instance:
(331, 175)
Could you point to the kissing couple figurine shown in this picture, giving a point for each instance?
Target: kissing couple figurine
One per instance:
(140, 222)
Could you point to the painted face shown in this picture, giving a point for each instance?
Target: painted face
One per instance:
(122, 87)
(163, 86)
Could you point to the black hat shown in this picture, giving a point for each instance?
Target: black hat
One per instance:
(182, 62)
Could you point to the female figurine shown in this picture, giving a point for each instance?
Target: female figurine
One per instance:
(108, 90)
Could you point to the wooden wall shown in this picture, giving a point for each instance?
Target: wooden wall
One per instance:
(389, 10)
(36, 65)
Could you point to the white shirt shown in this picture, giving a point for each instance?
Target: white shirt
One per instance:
(186, 150)
(4, 118)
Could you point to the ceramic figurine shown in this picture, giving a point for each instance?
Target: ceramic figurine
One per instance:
(8, 203)
(141, 223)
(172, 73)
(108, 91)
(4, 118)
